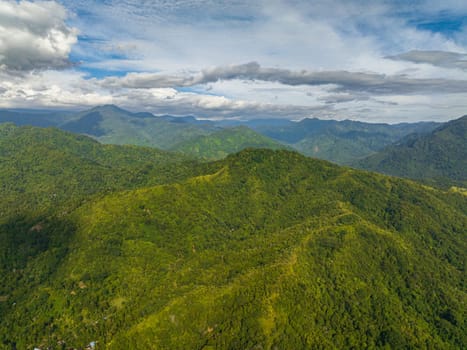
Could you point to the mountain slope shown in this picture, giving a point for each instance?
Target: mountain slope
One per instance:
(267, 249)
(439, 155)
(112, 125)
(33, 117)
(226, 141)
(39, 167)
(339, 141)
(46, 173)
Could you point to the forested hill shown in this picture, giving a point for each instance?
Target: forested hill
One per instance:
(113, 125)
(439, 156)
(226, 141)
(265, 249)
(42, 168)
(341, 142)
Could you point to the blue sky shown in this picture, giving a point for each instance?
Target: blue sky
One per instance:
(387, 61)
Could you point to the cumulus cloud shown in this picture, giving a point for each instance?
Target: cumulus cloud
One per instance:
(436, 58)
(34, 35)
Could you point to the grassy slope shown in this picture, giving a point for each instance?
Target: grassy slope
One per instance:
(267, 250)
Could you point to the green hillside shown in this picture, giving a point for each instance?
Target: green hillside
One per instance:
(224, 142)
(112, 125)
(47, 173)
(264, 250)
(41, 118)
(438, 157)
(339, 149)
(42, 168)
(341, 142)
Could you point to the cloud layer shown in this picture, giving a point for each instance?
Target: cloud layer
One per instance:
(341, 81)
(374, 61)
(436, 58)
(33, 35)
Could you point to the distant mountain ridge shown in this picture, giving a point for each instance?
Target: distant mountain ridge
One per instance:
(339, 141)
(439, 156)
(113, 125)
(226, 141)
(34, 117)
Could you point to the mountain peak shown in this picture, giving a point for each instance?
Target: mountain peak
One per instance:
(109, 108)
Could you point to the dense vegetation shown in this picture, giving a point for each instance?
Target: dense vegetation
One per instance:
(40, 167)
(264, 249)
(113, 125)
(224, 142)
(47, 173)
(341, 142)
(439, 157)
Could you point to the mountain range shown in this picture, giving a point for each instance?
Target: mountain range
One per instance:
(438, 157)
(339, 141)
(113, 125)
(128, 247)
(342, 142)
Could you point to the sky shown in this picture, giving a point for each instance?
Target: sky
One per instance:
(375, 61)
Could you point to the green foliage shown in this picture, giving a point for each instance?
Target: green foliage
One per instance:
(264, 249)
(226, 141)
(341, 142)
(439, 157)
(43, 168)
(112, 125)
(46, 173)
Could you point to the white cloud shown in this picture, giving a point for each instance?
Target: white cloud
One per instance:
(33, 35)
(65, 89)
(323, 58)
(70, 89)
